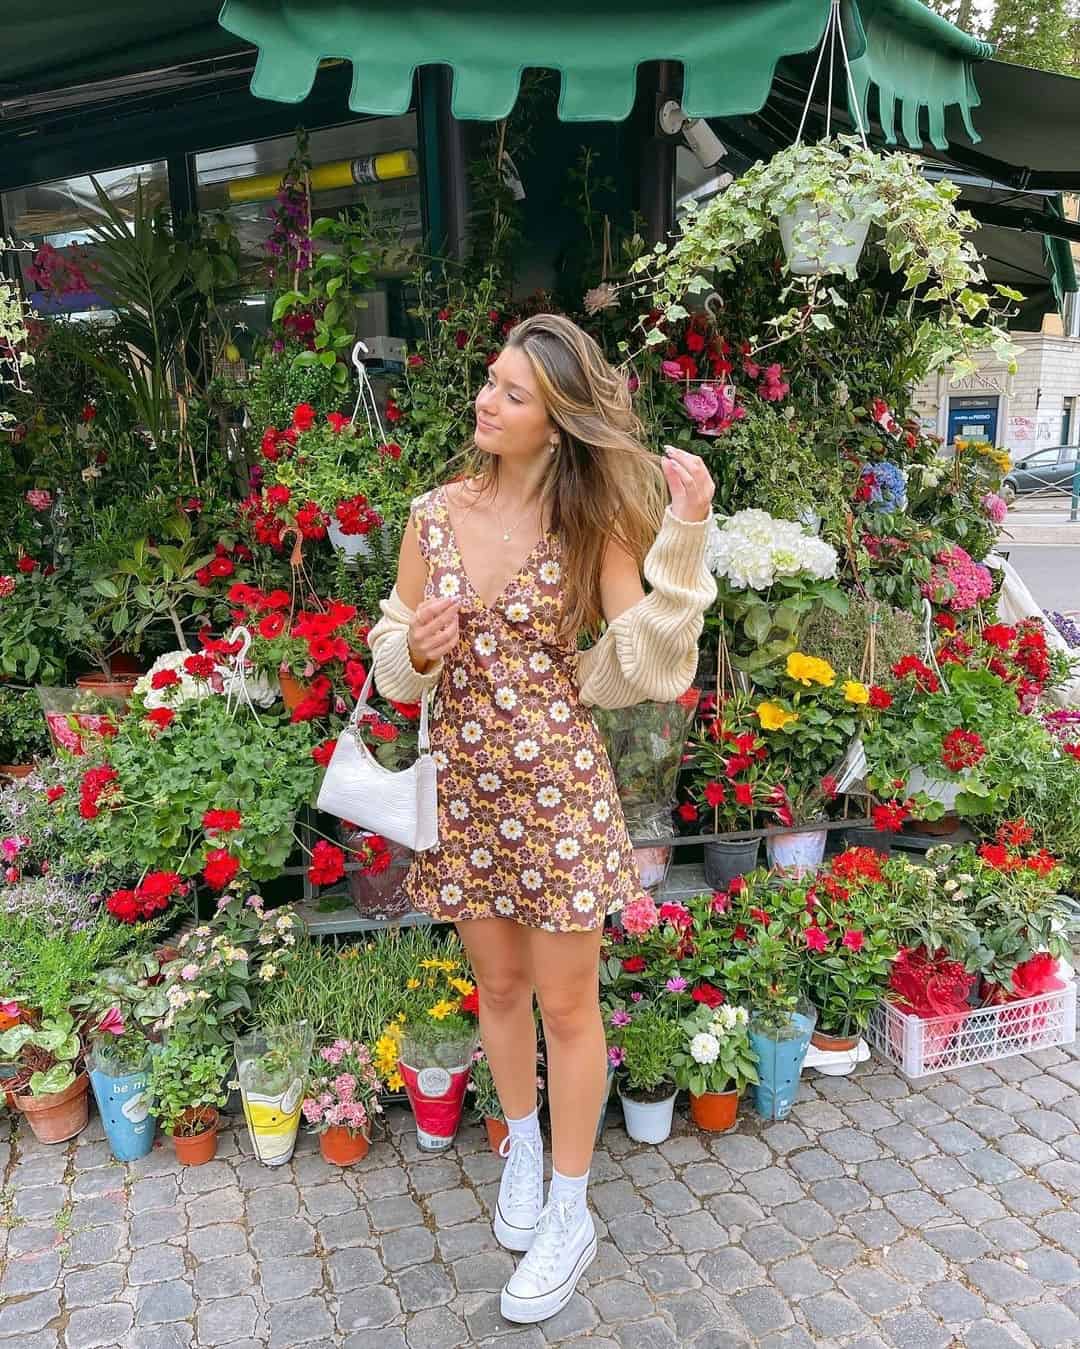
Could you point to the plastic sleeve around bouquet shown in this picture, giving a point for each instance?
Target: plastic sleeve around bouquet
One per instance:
(644, 743)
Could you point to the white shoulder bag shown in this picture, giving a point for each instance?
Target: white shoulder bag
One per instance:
(402, 806)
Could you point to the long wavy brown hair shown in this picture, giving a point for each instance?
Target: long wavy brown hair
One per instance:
(602, 484)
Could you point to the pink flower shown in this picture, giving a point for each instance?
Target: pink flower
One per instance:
(332, 1053)
(816, 940)
(112, 1023)
(636, 997)
(853, 940)
(640, 916)
(345, 1086)
(615, 1056)
(39, 499)
(620, 1018)
(11, 847)
(672, 369)
(189, 972)
(676, 985)
(312, 1111)
(702, 405)
(995, 507)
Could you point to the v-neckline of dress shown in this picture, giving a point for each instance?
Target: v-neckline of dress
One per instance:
(540, 543)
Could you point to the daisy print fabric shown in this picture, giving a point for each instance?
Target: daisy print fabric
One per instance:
(530, 824)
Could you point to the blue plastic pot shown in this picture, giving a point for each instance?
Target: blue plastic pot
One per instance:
(122, 1101)
(780, 1054)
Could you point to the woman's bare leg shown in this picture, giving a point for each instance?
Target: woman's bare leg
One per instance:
(499, 954)
(565, 971)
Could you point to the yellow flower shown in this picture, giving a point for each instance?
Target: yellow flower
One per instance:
(810, 670)
(773, 717)
(348, 953)
(442, 1009)
(433, 963)
(395, 1082)
(413, 983)
(854, 692)
(462, 986)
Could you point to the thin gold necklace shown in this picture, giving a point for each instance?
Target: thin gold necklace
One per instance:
(506, 533)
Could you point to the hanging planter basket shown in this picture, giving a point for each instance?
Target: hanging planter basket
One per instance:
(818, 240)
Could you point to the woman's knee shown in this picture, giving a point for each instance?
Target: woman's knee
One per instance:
(570, 1015)
(504, 993)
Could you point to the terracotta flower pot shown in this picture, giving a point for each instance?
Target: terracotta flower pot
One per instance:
(341, 1147)
(60, 1115)
(497, 1131)
(948, 824)
(108, 686)
(293, 692)
(16, 770)
(196, 1149)
(714, 1111)
(834, 1043)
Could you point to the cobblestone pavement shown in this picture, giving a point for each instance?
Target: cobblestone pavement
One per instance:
(878, 1214)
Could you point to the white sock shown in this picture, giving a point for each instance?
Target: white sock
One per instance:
(567, 1189)
(528, 1126)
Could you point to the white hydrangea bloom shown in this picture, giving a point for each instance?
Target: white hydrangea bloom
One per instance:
(189, 690)
(751, 549)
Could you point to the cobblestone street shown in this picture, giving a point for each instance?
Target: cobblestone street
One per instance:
(877, 1215)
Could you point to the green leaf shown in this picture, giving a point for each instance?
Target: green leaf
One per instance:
(105, 587)
(284, 303)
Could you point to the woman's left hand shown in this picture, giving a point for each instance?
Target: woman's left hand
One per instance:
(690, 484)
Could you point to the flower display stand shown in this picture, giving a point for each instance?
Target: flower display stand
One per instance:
(922, 1045)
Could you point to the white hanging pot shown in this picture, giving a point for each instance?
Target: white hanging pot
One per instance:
(839, 253)
(648, 1121)
(944, 792)
(796, 854)
(352, 545)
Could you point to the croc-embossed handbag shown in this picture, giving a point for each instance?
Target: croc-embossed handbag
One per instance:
(356, 787)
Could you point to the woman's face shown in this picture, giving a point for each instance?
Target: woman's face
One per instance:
(511, 419)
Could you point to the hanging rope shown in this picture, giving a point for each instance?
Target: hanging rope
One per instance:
(236, 690)
(833, 36)
(365, 397)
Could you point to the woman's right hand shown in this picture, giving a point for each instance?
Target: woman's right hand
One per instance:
(433, 632)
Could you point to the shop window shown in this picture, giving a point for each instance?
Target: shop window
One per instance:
(56, 220)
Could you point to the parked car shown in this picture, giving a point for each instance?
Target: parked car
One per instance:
(1045, 470)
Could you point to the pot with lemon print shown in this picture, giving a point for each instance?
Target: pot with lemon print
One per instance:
(272, 1067)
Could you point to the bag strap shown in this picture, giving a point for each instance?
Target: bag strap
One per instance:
(363, 706)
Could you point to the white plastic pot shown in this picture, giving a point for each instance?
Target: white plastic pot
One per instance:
(796, 854)
(838, 255)
(352, 545)
(648, 1121)
(944, 792)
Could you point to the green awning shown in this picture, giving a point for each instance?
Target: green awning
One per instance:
(728, 50)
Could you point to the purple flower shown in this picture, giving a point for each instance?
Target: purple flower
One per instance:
(676, 985)
(620, 1018)
(615, 1056)
(702, 405)
(636, 997)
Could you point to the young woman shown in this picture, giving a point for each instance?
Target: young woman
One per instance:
(542, 539)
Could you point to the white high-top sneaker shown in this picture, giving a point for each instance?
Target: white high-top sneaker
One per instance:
(563, 1248)
(521, 1191)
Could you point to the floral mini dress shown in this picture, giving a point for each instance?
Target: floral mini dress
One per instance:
(530, 823)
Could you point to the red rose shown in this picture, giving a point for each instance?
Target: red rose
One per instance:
(221, 866)
(327, 864)
(391, 450)
(161, 717)
(165, 679)
(271, 626)
(303, 418)
(221, 821)
(204, 576)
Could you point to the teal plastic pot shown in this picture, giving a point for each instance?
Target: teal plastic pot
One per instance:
(780, 1053)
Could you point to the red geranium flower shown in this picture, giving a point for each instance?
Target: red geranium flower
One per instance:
(161, 717)
(337, 422)
(961, 749)
(123, 906)
(890, 816)
(200, 666)
(26, 564)
(925, 678)
(55, 793)
(278, 495)
(879, 697)
(323, 753)
(327, 864)
(221, 866)
(634, 964)
(165, 679)
(858, 864)
(470, 1003)
(707, 994)
(271, 626)
(222, 821)
(303, 418)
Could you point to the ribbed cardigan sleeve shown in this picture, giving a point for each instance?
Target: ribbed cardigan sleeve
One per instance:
(650, 652)
(395, 675)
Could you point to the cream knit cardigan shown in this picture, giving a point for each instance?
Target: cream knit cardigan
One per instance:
(648, 653)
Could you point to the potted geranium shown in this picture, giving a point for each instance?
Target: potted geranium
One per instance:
(23, 734)
(645, 746)
(435, 1035)
(342, 1100)
(729, 774)
(376, 885)
(186, 1092)
(715, 1064)
(648, 1039)
(50, 1084)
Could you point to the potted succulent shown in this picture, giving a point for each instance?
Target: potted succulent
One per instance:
(186, 1093)
(648, 1039)
(23, 733)
(271, 1067)
(342, 1100)
(714, 1064)
(645, 746)
(435, 1034)
(50, 1084)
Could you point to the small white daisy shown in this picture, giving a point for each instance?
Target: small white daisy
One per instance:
(584, 900)
(449, 585)
(436, 538)
(450, 894)
(560, 711)
(439, 755)
(506, 699)
(601, 811)
(459, 809)
(459, 678)
(540, 663)
(567, 849)
(549, 572)
(480, 857)
(511, 829)
(612, 860)
(472, 733)
(489, 782)
(531, 879)
(504, 905)
(548, 796)
(485, 644)
(517, 612)
(584, 759)
(526, 750)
